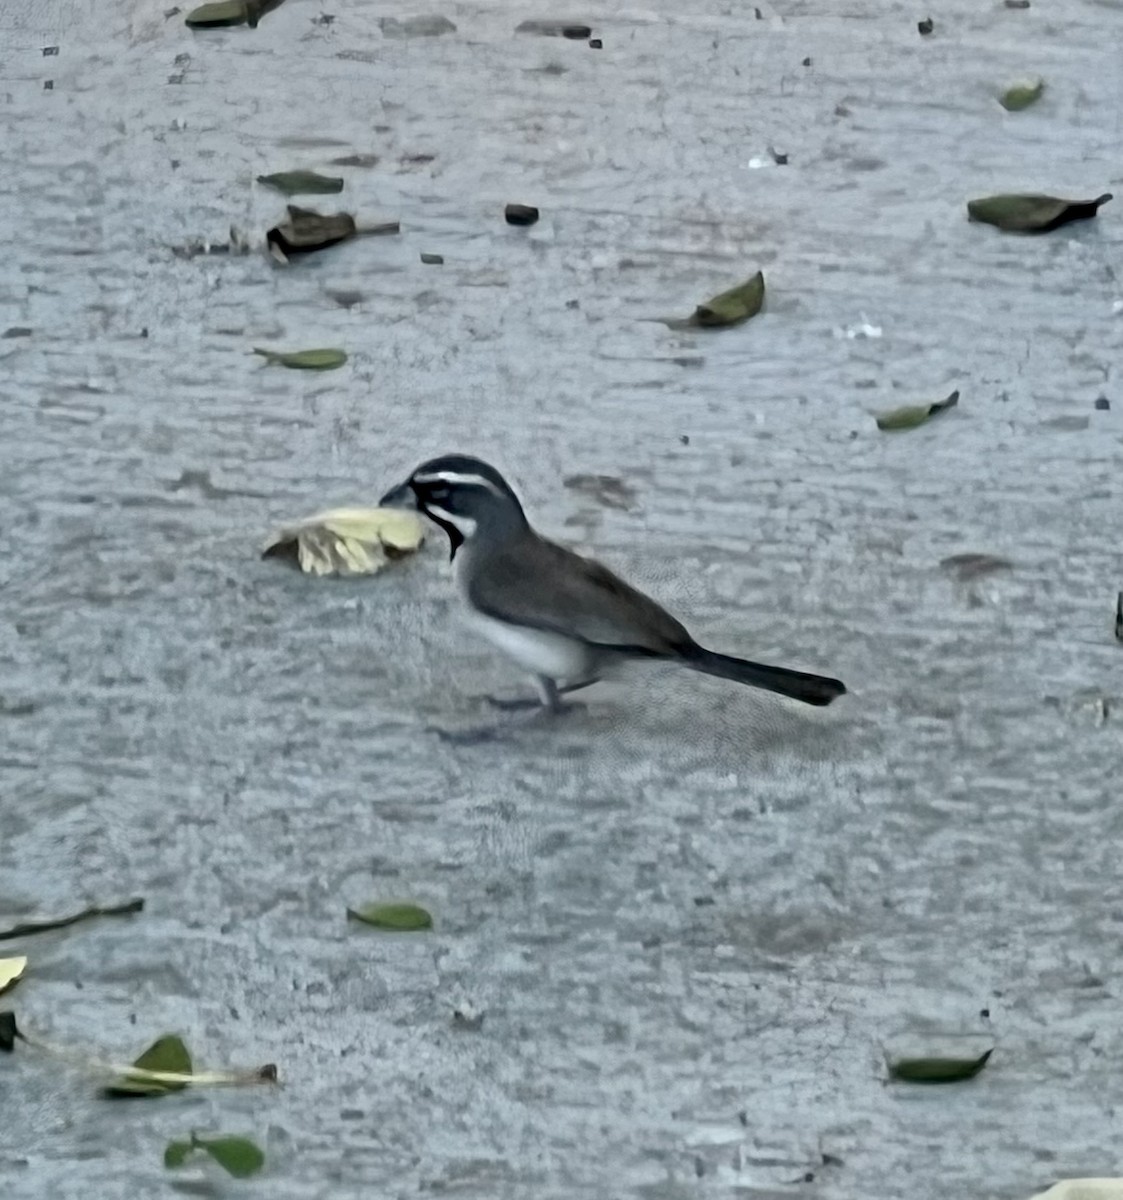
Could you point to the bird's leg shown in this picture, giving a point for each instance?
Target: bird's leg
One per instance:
(549, 696)
(548, 705)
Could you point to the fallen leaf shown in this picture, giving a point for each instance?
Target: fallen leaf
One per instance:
(401, 918)
(548, 28)
(937, 1070)
(306, 231)
(11, 969)
(913, 415)
(1083, 1189)
(432, 260)
(1119, 617)
(345, 297)
(609, 490)
(1032, 213)
(355, 160)
(236, 1155)
(295, 183)
(97, 910)
(966, 567)
(216, 16)
(166, 1055)
(1022, 94)
(226, 13)
(729, 308)
(175, 1154)
(415, 27)
(520, 214)
(347, 541)
(303, 360)
(8, 1031)
(925, 27)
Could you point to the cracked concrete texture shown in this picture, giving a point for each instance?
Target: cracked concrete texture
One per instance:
(692, 916)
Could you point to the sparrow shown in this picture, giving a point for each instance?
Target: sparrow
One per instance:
(564, 619)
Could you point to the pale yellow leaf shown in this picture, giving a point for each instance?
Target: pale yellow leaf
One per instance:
(348, 541)
(10, 970)
(1084, 1189)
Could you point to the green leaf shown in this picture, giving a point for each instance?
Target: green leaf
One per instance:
(398, 917)
(295, 183)
(1022, 94)
(306, 360)
(230, 12)
(175, 1153)
(216, 16)
(913, 415)
(938, 1070)
(165, 1054)
(1032, 213)
(732, 307)
(237, 1156)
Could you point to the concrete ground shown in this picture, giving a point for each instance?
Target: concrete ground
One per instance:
(691, 916)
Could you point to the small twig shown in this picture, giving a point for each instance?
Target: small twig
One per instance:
(133, 1074)
(96, 910)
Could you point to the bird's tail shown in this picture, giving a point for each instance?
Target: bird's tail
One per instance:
(811, 689)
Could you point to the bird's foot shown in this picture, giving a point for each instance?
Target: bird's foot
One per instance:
(513, 703)
(531, 713)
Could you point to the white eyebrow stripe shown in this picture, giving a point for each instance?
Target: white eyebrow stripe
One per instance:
(455, 477)
(465, 525)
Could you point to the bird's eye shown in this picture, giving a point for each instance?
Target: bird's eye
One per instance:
(439, 493)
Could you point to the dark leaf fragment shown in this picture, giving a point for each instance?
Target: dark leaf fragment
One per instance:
(545, 27)
(295, 183)
(925, 27)
(1032, 213)
(306, 231)
(966, 567)
(432, 260)
(97, 910)
(355, 160)
(520, 214)
(937, 1070)
(1119, 617)
(9, 1032)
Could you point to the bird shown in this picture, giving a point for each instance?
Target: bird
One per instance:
(565, 619)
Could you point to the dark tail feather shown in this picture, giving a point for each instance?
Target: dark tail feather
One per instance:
(811, 689)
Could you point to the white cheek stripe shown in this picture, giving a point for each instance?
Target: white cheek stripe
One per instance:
(465, 525)
(456, 477)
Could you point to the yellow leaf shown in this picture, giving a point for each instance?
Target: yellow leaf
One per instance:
(10, 971)
(347, 541)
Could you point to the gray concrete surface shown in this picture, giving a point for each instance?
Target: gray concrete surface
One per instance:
(691, 915)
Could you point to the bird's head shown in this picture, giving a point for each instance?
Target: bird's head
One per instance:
(463, 495)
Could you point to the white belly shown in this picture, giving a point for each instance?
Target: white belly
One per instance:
(537, 651)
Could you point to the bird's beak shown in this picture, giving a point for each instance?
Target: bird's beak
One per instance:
(401, 496)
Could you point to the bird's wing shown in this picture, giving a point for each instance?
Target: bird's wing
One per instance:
(545, 586)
